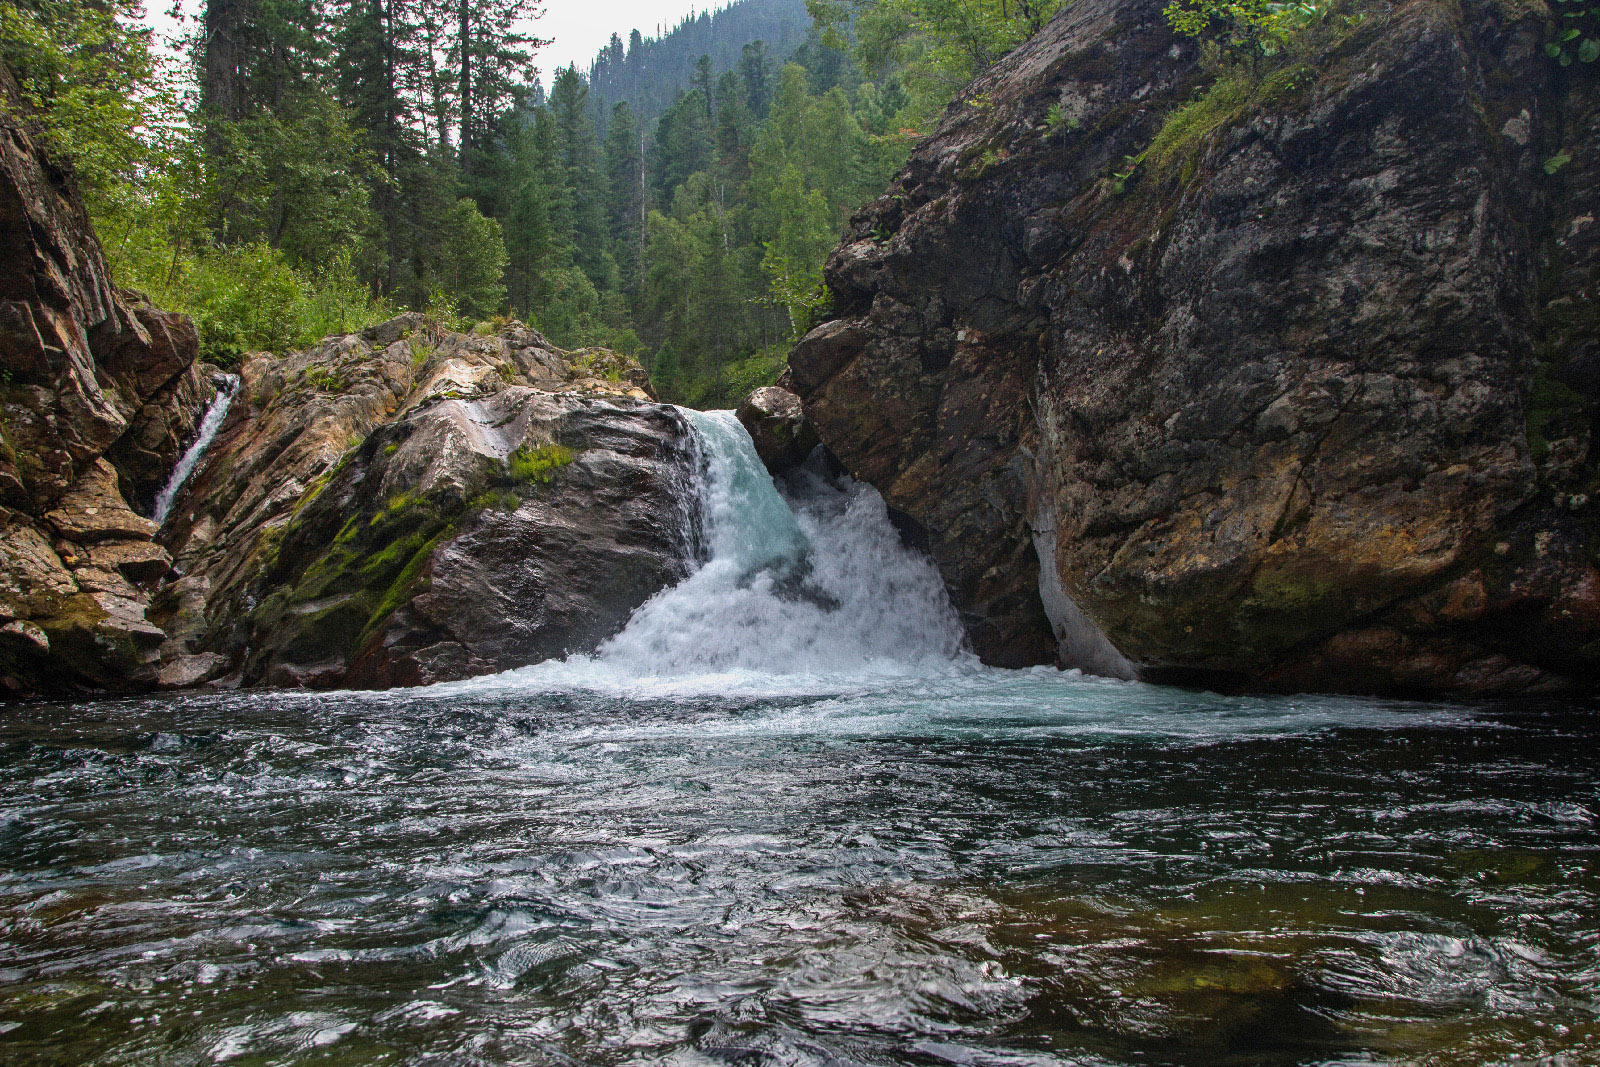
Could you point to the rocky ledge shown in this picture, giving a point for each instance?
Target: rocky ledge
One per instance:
(778, 427)
(1299, 392)
(408, 505)
(398, 506)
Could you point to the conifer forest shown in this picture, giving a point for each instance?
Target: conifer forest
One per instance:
(290, 169)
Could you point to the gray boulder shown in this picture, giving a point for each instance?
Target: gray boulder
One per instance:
(783, 436)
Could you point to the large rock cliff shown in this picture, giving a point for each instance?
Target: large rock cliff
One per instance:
(99, 393)
(1296, 390)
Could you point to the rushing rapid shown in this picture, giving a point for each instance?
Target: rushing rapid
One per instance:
(809, 592)
(784, 818)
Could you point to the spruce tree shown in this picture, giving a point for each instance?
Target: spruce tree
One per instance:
(625, 188)
(586, 187)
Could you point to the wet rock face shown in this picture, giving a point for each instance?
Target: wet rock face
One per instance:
(98, 392)
(777, 424)
(1308, 406)
(166, 426)
(407, 506)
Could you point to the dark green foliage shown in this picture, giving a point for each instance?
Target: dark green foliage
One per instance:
(349, 157)
(650, 72)
(579, 163)
(1258, 55)
(471, 263)
(1577, 32)
(922, 52)
(626, 189)
(89, 75)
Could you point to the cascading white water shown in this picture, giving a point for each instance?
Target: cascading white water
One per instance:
(810, 582)
(817, 583)
(209, 425)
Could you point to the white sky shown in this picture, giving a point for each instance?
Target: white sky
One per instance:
(580, 28)
(576, 29)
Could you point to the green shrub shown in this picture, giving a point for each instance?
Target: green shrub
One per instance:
(94, 84)
(1577, 35)
(247, 297)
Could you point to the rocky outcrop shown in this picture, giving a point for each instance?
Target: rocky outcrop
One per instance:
(777, 424)
(97, 391)
(1295, 392)
(398, 506)
(405, 506)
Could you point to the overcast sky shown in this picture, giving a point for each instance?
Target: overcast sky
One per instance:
(577, 29)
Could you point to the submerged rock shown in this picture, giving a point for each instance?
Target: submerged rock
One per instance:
(777, 424)
(406, 506)
(1302, 397)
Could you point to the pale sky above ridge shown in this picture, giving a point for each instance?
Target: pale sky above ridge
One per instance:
(580, 28)
(577, 29)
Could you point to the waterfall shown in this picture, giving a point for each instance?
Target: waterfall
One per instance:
(808, 580)
(209, 425)
(812, 583)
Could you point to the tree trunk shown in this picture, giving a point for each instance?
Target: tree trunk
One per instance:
(464, 16)
(221, 94)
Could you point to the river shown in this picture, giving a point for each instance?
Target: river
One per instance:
(784, 818)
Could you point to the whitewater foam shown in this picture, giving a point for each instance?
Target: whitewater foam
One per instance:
(209, 425)
(805, 590)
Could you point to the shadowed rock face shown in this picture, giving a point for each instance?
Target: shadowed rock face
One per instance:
(99, 394)
(406, 506)
(1306, 405)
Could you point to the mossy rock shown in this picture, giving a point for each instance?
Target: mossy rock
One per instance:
(373, 566)
(538, 463)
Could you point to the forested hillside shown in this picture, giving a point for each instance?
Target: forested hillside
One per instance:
(649, 72)
(314, 165)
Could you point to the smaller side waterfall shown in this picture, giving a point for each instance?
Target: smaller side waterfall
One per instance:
(209, 425)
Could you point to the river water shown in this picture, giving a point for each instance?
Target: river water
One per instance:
(783, 819)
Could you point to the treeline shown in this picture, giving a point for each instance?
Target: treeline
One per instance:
(340, 159)
(721, 216)
(649, 72)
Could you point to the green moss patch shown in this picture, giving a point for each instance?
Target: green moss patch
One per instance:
(373, 566)
(538, 464)
(1551, 406)
(1186, 130)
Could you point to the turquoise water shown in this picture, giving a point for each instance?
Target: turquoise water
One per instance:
(784, 819)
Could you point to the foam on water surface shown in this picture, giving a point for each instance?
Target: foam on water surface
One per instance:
(803, 590)
(784, 818)
(808, 594)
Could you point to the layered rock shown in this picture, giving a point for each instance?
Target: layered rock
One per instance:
(1299, 394)
(405, 506)
(98, 391)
